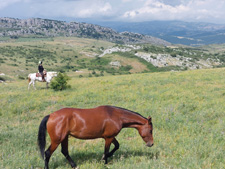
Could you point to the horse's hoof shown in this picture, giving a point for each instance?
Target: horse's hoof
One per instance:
(103, 157)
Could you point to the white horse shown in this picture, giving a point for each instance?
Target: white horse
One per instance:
(32, 78)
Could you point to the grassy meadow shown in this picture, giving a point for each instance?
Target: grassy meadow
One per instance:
(187, 109)
(19, 57)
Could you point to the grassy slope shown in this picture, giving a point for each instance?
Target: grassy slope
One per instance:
(20, 57)
(187, 109)
(55, 53)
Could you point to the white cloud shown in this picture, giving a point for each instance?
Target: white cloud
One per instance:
(191, 10)
(65, 8)
(86, 9)
(126, 0)
(5, 3)
(127, 10)
(155, 10)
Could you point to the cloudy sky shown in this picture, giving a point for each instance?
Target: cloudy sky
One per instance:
(117, 10)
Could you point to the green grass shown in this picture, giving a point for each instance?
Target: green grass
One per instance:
(22, 55)
(187, 110)
(19, 57)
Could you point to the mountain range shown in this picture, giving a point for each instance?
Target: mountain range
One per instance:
(37, 27)
(176, 32)
(153, 32)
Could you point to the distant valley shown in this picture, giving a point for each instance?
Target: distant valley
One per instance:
(176, 32)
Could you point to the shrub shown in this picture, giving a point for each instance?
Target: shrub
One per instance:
(60, 82)
(93, 72)
(126, 68)
(174, 55)
(21, 77)
(2, 78)
(102, 73)
(145, 49)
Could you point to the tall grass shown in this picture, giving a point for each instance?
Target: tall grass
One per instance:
(187, 110)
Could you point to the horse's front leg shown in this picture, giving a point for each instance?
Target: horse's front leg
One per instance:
(116, 144)
(108, 142)
(34, 85)
(29, 86)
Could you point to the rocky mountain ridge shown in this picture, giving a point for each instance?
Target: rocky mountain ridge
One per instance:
(165, 59)
(14, 28)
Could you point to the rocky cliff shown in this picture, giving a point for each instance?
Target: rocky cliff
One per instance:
(51, 28)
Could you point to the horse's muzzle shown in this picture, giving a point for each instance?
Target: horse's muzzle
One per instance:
(149, 144)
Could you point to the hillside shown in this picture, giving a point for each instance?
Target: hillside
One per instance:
(37, 27)
(83, 57)
(187, 110)
(176, 32)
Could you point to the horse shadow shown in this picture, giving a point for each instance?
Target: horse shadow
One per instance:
(95, 157)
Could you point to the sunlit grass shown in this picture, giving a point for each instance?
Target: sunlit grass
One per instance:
(187, 109)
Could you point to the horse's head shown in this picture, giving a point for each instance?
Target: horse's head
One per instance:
(52, 74)
(146, 132)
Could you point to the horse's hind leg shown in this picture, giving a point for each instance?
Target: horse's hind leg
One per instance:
(65, 152)
(49, 152)
(29, 85)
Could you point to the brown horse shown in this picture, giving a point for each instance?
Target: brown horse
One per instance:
(100, 122)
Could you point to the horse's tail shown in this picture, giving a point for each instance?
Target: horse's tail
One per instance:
(42, 135)
(29, 79)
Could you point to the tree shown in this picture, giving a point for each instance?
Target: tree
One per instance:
(60, 82)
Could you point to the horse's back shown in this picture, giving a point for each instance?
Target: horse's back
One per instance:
(86, 123)
(32, 75)
(100, 113)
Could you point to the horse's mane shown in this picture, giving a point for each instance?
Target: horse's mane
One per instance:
(129, 111)
(51, 73)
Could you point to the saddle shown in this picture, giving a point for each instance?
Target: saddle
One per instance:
(39, 75)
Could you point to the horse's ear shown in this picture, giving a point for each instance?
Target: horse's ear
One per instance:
(149, 120)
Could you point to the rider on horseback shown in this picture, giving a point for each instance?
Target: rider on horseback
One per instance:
(41, 69)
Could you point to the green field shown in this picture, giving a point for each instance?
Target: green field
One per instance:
(80, 57)
(187, 110)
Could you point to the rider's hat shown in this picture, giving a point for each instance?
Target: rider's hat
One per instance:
(40, 62)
